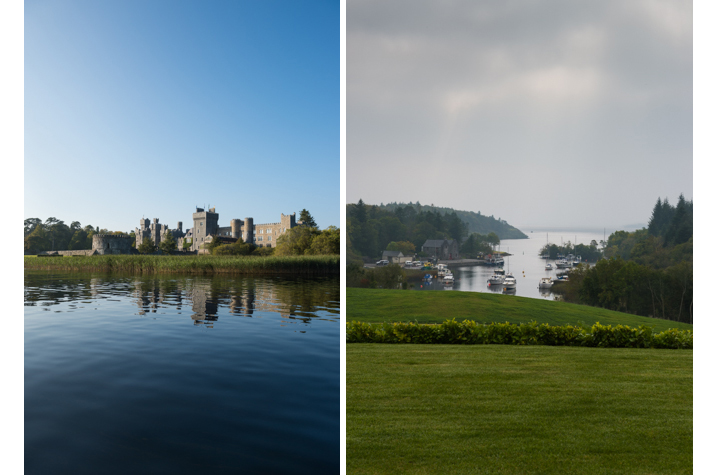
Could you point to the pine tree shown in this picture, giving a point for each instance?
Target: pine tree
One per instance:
(168, 243)
(654, 224)
(307, 219)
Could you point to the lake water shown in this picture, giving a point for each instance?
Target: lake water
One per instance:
(135, 374)
(524, 263)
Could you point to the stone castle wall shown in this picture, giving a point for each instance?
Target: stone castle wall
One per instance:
(111, 244)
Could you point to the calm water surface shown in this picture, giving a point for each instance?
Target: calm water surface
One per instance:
(127, 374)
(524, 263)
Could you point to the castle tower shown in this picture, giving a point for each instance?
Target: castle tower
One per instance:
(234, 229)
(249, 230)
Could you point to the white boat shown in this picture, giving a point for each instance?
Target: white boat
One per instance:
(497, 278)
(563, 264)
(548, 266)
(448, 279)
(546, 282)
(509, 282)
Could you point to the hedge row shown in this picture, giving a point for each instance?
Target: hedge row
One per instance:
(472, 333)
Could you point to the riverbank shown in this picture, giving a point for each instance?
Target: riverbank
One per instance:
(192, 264)
(380, 305)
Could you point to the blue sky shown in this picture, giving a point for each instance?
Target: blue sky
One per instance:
(149, 109)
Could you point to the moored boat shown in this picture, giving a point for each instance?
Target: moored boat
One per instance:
(546, 282)
(497, 278)
(509, 282)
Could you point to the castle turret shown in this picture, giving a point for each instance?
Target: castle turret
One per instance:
(249, 230)
(234, 229)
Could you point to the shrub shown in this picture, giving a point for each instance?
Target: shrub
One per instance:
(470, 333)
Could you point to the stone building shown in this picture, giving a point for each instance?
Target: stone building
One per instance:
(441, 248)
(156, 231)
(100, 244)
(206, 227)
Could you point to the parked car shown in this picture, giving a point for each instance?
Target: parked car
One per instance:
(383, 262)
(408, 263)
(417, 263)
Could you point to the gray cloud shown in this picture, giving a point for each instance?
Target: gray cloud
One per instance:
(542, 112)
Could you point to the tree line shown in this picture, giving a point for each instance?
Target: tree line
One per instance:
(306, 239)
(55, 234)
(649, 272)
(370, 228)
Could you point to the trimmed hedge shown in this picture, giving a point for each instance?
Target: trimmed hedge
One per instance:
(471, 333)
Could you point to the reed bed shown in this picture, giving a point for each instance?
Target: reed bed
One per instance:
(152, 264)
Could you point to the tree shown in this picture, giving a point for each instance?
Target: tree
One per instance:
(78, 240)
(168, 243)
(147, 246)
(295, 241)
(327, 242)
(31, 224)
(360, 213)
(216, 242)
(239, 248)
(307, 219)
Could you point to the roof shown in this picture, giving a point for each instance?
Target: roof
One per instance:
(434, 242)
(392, 254)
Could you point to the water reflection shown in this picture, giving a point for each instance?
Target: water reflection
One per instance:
(116, 368)
(204, 298)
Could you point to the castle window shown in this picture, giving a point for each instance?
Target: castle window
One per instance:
(260, 238)
(269, 238)
(268, 231)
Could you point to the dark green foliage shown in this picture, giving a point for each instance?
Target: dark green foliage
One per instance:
(387, 277)
(302, 240)
(474, 244)
(240, 248)
(370, 229)
(306, 219)
(147, 246)
(471, 333)
(168, 244)
(216, 242)
(473, 221)
(673, 224)
(54, 234)
(629, 287)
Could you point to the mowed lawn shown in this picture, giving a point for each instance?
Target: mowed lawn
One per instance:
(498, 409)
(379, 305)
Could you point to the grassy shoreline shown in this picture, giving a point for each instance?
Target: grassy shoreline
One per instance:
(150, 264)
(518, 409)
(380, 305)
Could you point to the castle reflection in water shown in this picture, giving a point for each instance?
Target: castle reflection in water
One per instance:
(209, 297)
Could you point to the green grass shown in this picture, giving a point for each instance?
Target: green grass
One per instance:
(378, 305)
(494, 409)
(311, 265)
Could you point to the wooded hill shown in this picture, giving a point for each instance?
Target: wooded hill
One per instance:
(477, 223)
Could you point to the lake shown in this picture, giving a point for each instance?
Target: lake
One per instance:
(181, 374)
(524, 263)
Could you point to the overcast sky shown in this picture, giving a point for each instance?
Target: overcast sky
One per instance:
(148, 109)
(543, 113)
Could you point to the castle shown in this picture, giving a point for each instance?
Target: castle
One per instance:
(206, 227)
